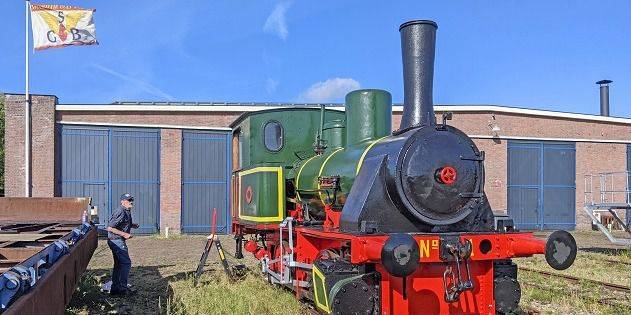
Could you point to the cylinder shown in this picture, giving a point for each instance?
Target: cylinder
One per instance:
(368, 115)
(418, 43)
(334, 134)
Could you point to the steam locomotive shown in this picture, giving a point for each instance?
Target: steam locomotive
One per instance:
(363, 220)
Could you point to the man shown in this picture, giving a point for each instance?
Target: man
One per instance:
(118, 231)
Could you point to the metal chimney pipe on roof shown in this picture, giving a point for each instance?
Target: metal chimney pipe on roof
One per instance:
(604, 97)
(418, 45)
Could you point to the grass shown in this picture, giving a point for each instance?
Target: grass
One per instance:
(215, 294)
(551, 295)
(88, 296)
(594, 266)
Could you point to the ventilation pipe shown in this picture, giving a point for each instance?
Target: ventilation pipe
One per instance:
(604, 97)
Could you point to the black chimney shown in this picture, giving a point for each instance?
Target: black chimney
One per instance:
(418, 43)
(604, 97)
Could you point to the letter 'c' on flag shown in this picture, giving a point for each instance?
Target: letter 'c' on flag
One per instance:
(60, 26)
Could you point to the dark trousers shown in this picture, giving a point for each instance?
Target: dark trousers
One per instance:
(122, 264)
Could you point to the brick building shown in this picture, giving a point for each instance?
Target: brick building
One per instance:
(175, 157)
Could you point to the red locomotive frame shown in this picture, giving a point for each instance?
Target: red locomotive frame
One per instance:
(426, 287)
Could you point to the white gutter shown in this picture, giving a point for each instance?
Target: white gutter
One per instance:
(551, 139)
(396, 109)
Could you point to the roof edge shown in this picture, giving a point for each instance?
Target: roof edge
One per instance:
(395, 108)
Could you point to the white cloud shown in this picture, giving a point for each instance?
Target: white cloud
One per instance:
(140, 84)
(271, 85)
(330, 90)
(275, 23)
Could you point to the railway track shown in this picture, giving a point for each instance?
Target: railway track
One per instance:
(617, 262)
(611, 286)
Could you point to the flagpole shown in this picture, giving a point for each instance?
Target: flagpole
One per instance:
(27, 113)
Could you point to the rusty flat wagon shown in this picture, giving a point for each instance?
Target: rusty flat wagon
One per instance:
(45, 246)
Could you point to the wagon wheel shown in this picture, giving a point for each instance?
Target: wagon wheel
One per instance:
(276, 250)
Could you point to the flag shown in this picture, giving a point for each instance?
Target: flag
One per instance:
(60, 26)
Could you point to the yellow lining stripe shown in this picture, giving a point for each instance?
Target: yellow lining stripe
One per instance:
(300, 172)
(281, 193)
(322, 168)
(361, 159)
(324, 306)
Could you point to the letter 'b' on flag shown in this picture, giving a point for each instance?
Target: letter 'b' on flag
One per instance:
(60, 26)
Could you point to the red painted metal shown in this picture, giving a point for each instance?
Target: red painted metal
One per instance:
(251, 246)
(261, 253)
(425, 289)
(332, 218)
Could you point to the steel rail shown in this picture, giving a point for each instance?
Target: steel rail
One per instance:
(612, 286)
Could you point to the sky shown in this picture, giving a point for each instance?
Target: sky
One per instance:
(531, 54)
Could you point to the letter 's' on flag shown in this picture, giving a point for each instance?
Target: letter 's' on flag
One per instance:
(60, 26)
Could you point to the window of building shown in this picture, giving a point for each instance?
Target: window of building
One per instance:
(273, 135)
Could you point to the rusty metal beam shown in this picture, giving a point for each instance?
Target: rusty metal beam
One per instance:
(42, 210)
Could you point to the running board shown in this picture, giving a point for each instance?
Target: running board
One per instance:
(602, 228)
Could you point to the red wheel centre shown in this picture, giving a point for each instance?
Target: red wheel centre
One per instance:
(447, 175)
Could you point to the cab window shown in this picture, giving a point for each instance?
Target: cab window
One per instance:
(273, 135)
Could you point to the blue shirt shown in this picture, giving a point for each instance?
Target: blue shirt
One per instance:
(120, 220)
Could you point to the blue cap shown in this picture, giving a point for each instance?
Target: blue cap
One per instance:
(127, 196)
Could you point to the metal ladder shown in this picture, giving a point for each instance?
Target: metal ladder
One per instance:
(611, 193)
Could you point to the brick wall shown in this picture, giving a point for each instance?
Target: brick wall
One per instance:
(170, 179)
(43, 162)
(592, 158)
(198, 119)
(495, 165)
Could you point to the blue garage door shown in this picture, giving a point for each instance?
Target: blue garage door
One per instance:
(542, 184)
(205, 180)
(103, 163)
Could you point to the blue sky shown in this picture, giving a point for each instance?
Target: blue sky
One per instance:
(534, 54)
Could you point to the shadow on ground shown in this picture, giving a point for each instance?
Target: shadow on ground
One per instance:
(151, 292)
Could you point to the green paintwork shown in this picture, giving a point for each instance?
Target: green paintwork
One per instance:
(368, 119)
(264, 201)
(300, 126)
(335, 134)
(343, 163)
(368, 115)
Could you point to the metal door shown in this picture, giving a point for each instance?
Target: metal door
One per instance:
(135, 169)
(205, 180)
(542, 184)
(84, 165)
(105, 162)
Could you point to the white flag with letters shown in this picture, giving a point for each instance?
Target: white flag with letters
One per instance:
(60, 26)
